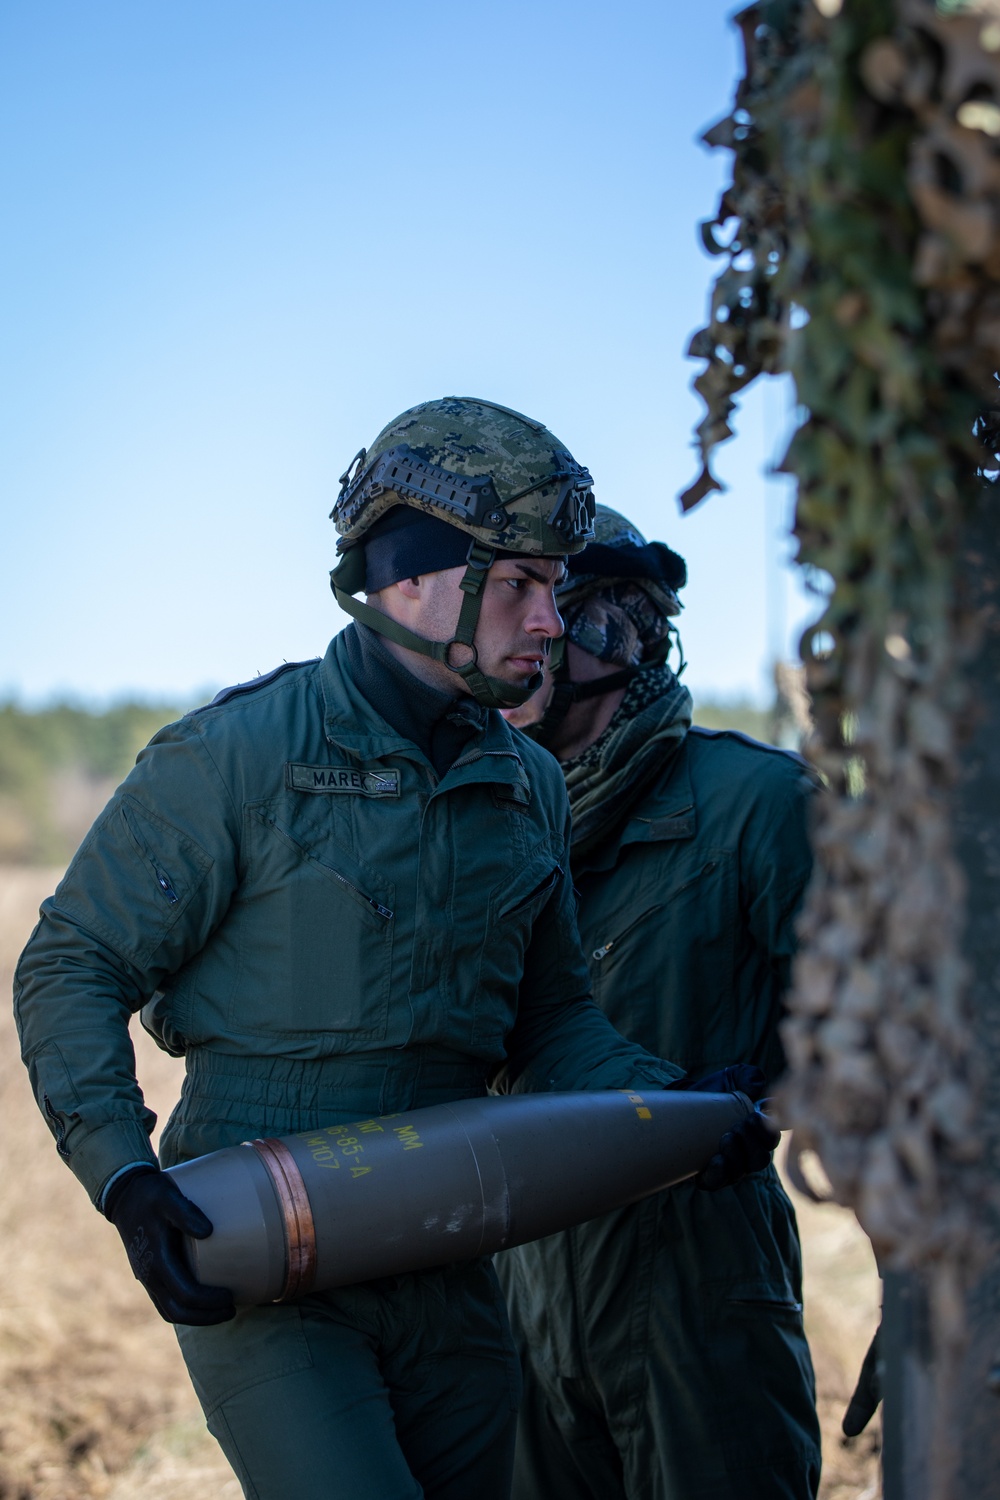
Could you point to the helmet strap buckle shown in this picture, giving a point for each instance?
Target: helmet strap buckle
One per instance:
(478, 563)
(465, 666)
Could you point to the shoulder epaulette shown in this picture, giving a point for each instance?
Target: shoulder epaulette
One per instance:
(224, 695)
(748, 739)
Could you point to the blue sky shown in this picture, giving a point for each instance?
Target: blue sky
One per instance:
(242, 236)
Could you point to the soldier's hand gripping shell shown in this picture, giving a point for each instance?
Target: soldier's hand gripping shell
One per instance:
(747, 1148)
(152, 1216)
(750, 1145)
(738, 1078)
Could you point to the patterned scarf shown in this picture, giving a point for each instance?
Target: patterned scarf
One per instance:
(646, 733)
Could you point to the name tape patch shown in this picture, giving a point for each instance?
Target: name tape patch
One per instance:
(346, 779)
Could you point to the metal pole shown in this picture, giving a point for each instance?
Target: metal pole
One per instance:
(908, 1391)
(975, 1418)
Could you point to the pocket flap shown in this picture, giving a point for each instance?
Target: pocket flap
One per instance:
(134, 877)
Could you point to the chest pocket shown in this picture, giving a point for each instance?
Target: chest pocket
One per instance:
(661, 966)
(325, 919)
(527, 905)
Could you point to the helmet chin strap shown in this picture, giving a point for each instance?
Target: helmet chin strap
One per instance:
(565, 693)
(348, 579)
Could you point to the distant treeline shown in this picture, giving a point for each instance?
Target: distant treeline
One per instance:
(59, 765)
(735, 713)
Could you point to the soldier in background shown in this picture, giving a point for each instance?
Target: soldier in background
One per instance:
(663, 1348)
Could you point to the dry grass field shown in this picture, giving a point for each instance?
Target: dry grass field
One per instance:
(96, 1402)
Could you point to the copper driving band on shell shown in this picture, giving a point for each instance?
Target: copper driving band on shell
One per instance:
(296, 1217)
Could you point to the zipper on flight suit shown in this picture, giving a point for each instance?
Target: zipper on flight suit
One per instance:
(601, 952)
(160, 876)
(58, 1126)
(384, 912)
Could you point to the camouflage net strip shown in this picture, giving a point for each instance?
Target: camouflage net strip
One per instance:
(866, 261)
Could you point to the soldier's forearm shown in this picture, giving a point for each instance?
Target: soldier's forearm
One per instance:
(73, 1000)
(573, 1045)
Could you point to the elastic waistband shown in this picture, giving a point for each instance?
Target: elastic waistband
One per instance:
(365, 1083)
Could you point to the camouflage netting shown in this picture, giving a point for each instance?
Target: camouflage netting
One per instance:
(861, 237)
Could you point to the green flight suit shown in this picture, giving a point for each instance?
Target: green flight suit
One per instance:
(663, 1345)
(328, 929)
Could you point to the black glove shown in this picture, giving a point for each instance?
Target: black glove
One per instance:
(867, 1392)
(747, 1148)
(738, 1078)
(152, 1215)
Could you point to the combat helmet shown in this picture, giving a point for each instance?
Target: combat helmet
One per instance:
(619, 551)
(504, 480)
(621, 578)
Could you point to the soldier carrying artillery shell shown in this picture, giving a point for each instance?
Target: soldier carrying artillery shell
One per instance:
(342, 890)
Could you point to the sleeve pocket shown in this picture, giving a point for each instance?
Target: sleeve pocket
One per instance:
(132, 881)
(55, 1093)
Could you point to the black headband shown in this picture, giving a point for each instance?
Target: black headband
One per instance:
(405, 543)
